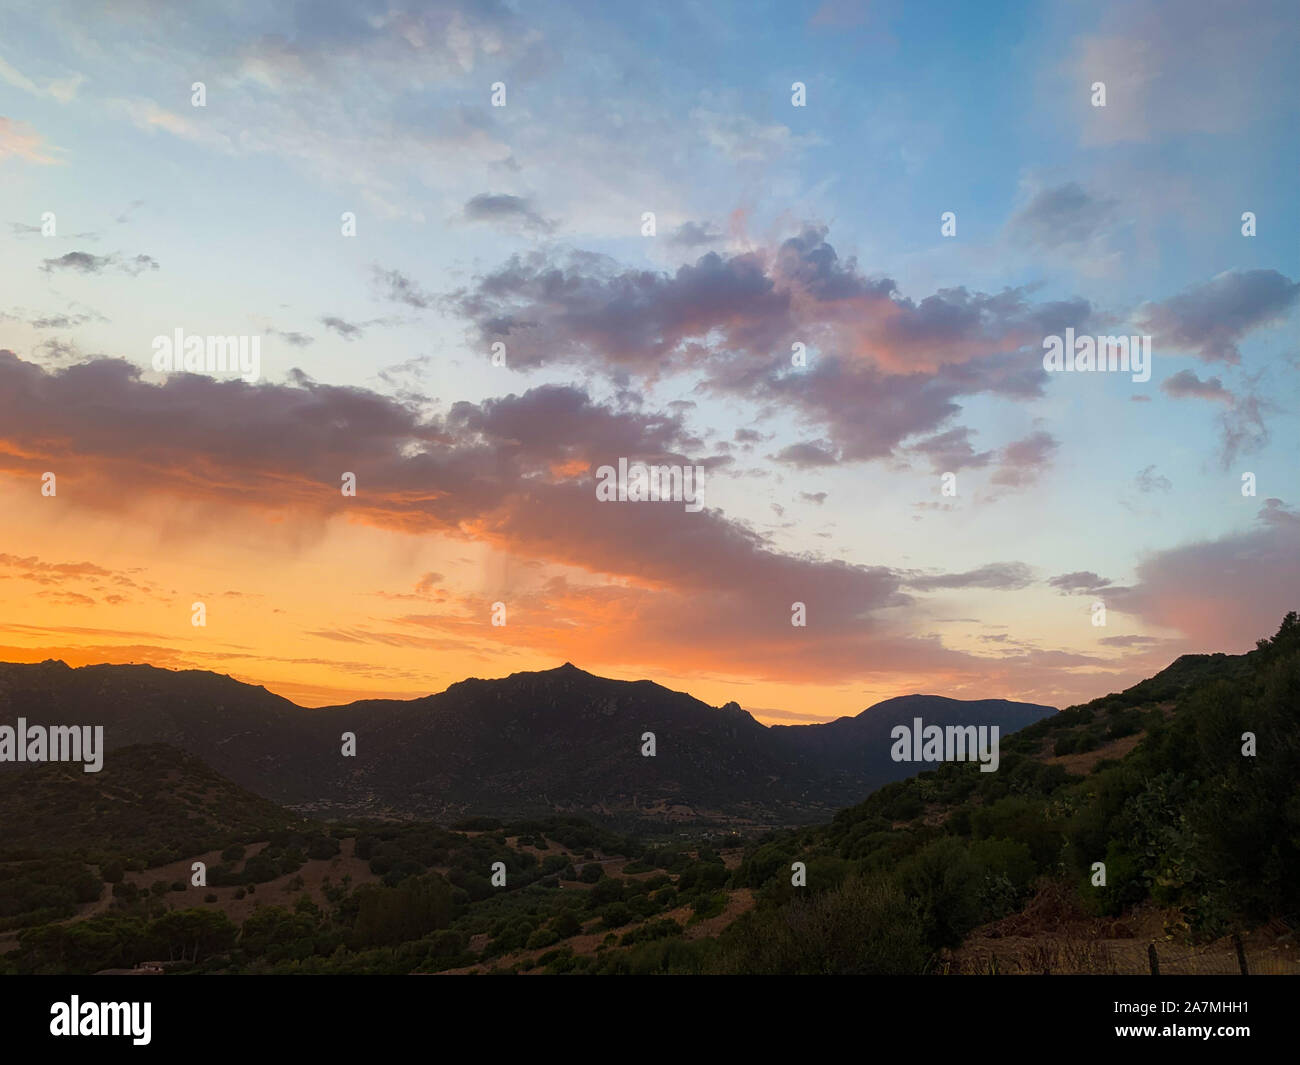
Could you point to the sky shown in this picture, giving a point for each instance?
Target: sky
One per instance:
(813, 250)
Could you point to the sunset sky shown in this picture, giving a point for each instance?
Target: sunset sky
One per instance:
(775, 225)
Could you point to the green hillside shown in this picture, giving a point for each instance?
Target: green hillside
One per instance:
(1184, 820)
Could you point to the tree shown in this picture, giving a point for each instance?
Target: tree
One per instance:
(191, 934)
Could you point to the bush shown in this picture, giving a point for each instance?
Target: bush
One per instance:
(944, 883)
(543, 937)
(565, 925)
(651, 931)
(615, 915)
(320, 848)
(862, 927)
(608, 890)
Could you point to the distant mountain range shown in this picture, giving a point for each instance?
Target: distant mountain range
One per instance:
(560, 740)
(859, 747)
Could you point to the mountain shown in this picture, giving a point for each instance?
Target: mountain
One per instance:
(560, 740)
(146, 799)
(859, 747)
(261, 741)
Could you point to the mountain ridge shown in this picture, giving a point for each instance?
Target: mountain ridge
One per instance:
(557, 740)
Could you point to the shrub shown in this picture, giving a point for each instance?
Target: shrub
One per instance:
(615, 915)
(565, 925)
(543, 937)
(864, 926)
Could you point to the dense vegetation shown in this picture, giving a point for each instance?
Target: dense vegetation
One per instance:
(1184, 819)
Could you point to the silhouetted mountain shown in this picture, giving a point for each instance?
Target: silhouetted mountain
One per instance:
(557, 740)
(859, 747)
(259, 740)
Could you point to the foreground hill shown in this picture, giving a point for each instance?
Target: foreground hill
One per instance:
(1173, 803)
(560, 740)
(147, 802)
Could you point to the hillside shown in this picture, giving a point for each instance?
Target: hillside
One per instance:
(1195, 830)
(147, 802)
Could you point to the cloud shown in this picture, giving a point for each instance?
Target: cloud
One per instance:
(35, 569)
(1223, 593)
(138, 265)
(300, 340)
(74, 316)
(1002, 576)
(513, 210)
(741, 139)
(630, 318)
(346, 330)
(806, 456)
(1149, 482)
(1185, 384)
(64, 90)
(396, 287)
(1242, 428)
(1132, 641)
(84, 262)
(1081, 582)
(694, 235)
(1211, 319)
(952, 451)
(514, 474)
(19, 141)
(288, 88)
(22, 229)
(125, 215)
(81, 261)
(150, 117)
(57, 351)
(1196, 68)
(1021, 462)
(1062, 216)
(886, 367)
